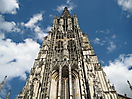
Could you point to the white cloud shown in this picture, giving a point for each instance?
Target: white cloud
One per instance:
(106, 31)
(5, 90)
(118, 73)
(8, 6)
(109, 42)
(126, 5)
(68, 4)
(48, 28)
(41, 34)
(98, 41)
(51, 15)
(31, 23)
(101, 61)
(7, 26)
(61, 8)
(111, 46)
(3, 93)
(114, 36)
(16, 58)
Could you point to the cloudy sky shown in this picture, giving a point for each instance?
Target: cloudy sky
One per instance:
(24, 23)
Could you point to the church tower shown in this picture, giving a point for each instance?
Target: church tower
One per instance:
(66, 66)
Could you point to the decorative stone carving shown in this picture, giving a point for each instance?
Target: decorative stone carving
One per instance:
(38, 71)
(61, 25)
(97, 67)
(65, 58)
(69, 24)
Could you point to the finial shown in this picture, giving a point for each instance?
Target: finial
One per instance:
(65, 8)
(65, 13)
(7, 96)
(2, 83)
(75, 15)
(56, 17)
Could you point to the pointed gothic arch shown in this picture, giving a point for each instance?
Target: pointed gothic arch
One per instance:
(65, 83)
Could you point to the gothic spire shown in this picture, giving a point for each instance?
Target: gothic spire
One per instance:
(66, 13)
(66, 67)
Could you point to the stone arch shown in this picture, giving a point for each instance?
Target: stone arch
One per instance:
(65, 83)
(75, 84)
(75, 74)
(54, 84)
(55, 75)
(35, 79)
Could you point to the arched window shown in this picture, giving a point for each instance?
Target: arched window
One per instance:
(65, 84)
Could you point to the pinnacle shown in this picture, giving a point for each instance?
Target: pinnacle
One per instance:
(65, 12)
(65, 8)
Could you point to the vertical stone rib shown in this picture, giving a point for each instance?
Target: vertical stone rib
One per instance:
(70, 83)
(66, 45)
(65, 89)
(59, 85)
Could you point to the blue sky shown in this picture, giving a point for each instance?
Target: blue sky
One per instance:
(24, 23)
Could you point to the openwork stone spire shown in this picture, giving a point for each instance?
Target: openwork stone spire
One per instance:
(66, 66)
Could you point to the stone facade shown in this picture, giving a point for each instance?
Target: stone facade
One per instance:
(66, 66)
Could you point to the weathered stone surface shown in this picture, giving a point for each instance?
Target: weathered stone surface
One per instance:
(66, 67)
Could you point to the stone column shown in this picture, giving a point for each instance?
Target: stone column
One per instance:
(70, 83)
(59, 85)
(65, 89)
(77, 89)
(81, 84)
